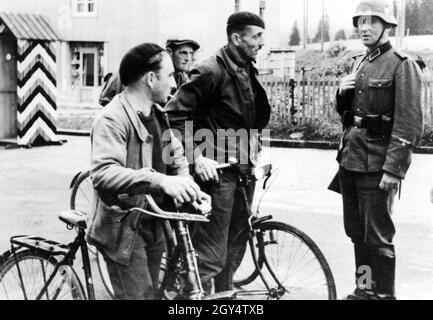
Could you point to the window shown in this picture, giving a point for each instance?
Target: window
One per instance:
(84, 8)
(86, 64)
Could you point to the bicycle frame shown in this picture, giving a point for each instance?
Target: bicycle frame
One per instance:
(69, 252)
(186, 249)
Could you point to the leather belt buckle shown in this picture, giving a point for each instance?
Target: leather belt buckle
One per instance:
(357, 121)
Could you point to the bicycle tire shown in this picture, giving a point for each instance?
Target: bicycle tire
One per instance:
(36, 267)
(103, 272)
(82, 187)
(267, 261)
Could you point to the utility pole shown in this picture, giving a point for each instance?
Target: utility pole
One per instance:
(305, 23)
(237, 5)
(322, 27)
(262, 8)
(401, 29)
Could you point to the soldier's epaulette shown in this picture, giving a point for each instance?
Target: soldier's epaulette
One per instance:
(401, 55)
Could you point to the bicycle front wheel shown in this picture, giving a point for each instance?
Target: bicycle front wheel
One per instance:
(23, 276)
(291, 263)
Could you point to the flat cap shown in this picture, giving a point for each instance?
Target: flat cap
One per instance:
(244, 18)
(174, 43)
(136, 60)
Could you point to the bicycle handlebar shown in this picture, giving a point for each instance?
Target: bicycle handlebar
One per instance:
(204, 208)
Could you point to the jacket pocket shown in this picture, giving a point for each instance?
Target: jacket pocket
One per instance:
(380, 95)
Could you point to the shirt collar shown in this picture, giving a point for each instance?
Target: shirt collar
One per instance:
(374, 54)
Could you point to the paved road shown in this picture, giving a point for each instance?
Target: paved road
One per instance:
(34, 188)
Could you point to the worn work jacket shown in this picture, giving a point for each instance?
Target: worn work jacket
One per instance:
(121, 172)
(221, 95)
(389, 84)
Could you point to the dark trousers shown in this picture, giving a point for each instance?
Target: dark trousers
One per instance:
(139, 279)
(221, 243)
(368, 222)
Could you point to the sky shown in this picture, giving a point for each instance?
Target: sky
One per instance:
(339, 12)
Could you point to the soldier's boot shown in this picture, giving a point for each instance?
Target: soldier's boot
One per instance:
(384, 273)
(363, 275)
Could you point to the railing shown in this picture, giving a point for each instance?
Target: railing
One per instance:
(314, 98)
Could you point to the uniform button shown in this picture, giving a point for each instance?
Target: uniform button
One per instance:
(362, 74)
(360, 92)
(379, 84)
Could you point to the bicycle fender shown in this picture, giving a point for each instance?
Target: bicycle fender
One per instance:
(74, 179)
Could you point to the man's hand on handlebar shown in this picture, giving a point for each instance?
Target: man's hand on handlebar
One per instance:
(183, 189)
(206, 169)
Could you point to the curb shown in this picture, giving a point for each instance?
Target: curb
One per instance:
(276, 143)
(323, 145)
(78, 133)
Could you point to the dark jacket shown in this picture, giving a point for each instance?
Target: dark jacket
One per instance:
(220, 95)
(121, 172)
(388, 84)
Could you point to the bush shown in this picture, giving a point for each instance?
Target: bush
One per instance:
(316, 130)
(427, 138)
(336, 50)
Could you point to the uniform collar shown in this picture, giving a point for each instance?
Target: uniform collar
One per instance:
(373, 55)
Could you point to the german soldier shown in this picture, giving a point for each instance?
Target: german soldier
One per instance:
(380, 106)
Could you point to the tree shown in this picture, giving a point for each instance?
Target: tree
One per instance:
(325, 24)
(354, 34)
(340, 35)
(295, 38)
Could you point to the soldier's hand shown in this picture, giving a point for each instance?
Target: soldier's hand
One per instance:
(347, 83)
(206, 169)
(389, 182)
(183, 189)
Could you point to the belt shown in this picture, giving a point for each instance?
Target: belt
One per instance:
(375, 124)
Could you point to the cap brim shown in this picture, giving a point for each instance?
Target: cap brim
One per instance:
(177, 43)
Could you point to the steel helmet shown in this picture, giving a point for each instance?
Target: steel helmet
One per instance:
(379, 8)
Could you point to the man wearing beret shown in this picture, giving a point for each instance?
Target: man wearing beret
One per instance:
(222, 94)
(182, 54)
(127, 162)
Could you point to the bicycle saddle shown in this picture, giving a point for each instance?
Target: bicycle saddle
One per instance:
(74, 218)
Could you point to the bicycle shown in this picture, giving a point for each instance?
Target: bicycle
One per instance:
(36, 268)
(268, 239)
(304, 274)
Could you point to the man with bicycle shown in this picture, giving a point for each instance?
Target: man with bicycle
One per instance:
(222, 94)
(380, 106)
(130, 158)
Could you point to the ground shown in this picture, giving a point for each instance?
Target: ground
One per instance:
(35, 188)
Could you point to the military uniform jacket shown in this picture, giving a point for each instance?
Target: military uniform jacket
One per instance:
(387, 84)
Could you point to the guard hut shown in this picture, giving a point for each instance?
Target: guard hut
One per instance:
(28, 109)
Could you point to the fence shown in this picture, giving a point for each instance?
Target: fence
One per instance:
(314, 98)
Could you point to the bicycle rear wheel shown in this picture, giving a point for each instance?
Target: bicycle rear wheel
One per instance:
(103, 272)
(81, 198)
(35, 268)
(291, 263)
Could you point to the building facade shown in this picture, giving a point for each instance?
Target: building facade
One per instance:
(97, 33)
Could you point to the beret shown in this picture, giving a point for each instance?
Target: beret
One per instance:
(245, 18)
(173, 43)
(136, 60)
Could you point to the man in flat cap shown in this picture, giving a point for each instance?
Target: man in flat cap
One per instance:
(127, 162)
(182, 54)
(224, 94)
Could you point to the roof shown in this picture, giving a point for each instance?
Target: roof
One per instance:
(29, 26)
